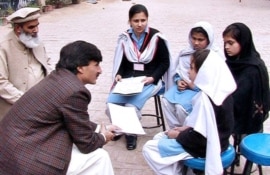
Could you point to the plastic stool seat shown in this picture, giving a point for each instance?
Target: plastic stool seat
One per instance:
(227, 158)
(255, 148)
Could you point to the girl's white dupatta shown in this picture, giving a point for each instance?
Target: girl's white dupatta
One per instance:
(216, 82)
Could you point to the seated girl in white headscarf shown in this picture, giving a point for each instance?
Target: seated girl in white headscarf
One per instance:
(207, 129)
(176, 103)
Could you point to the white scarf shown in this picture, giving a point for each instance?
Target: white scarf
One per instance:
(184, 56)
(215, 81)
(126, 46)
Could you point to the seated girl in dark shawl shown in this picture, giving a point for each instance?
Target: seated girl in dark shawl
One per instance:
(251, 99)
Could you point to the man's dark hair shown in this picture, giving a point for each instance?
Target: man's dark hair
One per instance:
(78, 53)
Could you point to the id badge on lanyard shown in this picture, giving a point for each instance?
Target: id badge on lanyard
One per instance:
(138, 66)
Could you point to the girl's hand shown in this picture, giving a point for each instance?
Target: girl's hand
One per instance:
(148, 80)
(172, 133)
(181, 128)
(182, 85)
(118, 78)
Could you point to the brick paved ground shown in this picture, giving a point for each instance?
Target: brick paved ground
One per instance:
(101, 23)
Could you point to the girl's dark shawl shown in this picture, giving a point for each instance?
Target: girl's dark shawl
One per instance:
(258, 106)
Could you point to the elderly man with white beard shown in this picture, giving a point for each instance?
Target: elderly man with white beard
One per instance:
(23, 59)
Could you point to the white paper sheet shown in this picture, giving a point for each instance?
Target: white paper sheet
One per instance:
(129, 86)
(126, 118)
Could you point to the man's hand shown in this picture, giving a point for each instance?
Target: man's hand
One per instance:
(107, 133)
(113, 128)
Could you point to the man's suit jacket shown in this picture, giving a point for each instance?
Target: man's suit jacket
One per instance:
(37, 134)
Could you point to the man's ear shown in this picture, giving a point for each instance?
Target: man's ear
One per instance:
(80, 69)
(17, 29)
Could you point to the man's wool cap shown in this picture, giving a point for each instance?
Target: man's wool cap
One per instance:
(24, 15)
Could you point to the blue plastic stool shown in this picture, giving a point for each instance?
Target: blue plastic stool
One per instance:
(198, 164)
(256, 149)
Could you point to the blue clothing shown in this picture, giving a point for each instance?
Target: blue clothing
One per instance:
(137, 100)
(153, 54)
(173, 95)
(169, 147)
(139, 42)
